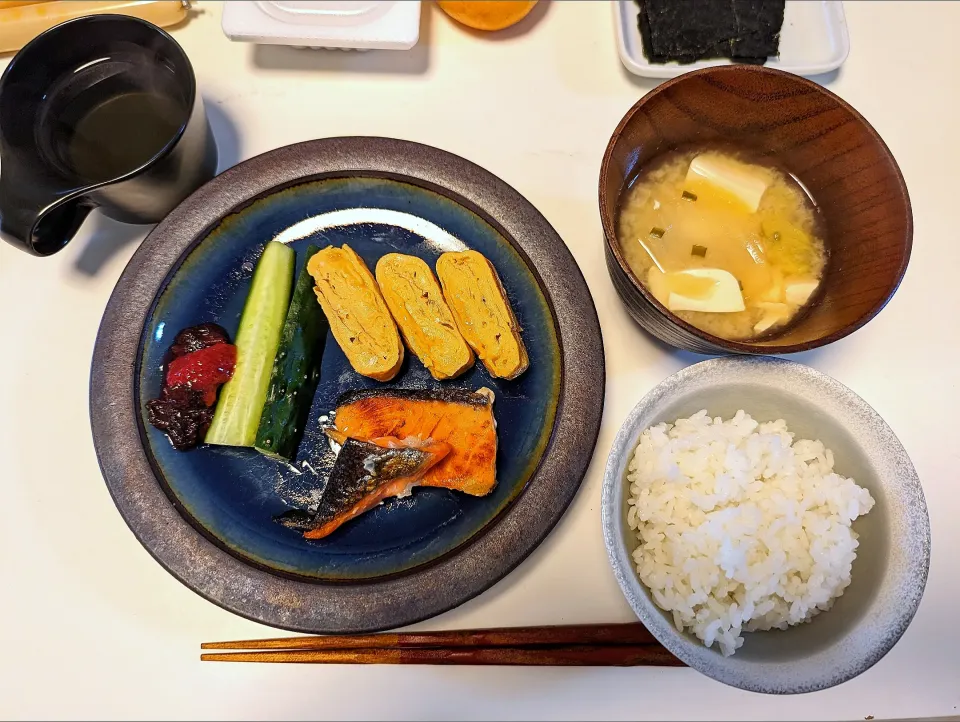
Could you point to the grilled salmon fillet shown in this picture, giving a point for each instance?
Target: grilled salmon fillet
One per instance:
(416, 302)
(366, 473)
(463, 419)
(358, 316)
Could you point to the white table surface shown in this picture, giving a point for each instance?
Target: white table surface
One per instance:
(93, 627)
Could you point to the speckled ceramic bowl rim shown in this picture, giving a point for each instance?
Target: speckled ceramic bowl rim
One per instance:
(900, 593)
(317, 607)
(610, 232)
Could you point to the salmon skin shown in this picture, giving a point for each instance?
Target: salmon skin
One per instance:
(461, 418)
(366, 473)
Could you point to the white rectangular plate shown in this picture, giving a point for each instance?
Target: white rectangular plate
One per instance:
(813, 40)
(344, 24)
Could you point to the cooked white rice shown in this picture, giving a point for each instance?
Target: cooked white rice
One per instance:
(741, 527)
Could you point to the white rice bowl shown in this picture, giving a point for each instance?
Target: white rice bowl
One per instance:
(741, 528)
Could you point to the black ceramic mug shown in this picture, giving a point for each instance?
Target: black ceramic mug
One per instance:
(100, 111)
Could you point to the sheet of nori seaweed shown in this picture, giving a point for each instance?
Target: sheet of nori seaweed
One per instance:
(685, 31)
(689, 30)
(758, 35)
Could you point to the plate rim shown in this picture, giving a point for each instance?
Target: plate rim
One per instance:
(423, 592)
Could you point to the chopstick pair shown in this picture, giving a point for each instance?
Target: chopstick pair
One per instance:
(593, 645)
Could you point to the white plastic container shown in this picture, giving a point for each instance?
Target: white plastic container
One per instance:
(813, 40)
(345, 24)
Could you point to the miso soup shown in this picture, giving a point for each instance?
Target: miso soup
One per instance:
(733, 247)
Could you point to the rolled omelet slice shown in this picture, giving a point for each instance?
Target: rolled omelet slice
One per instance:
(426, 323)
(358, 316)
(482, 311)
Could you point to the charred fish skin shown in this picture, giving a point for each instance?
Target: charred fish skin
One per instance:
(296, 519)
(360, 469)
(448, 395)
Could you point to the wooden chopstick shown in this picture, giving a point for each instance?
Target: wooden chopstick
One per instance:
(597, 634)
(615, 655)
(565, 645)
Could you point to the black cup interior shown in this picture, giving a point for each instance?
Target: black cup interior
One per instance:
(112, 115)
(113, 68)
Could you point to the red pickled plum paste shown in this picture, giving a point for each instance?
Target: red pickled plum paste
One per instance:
(201, 359)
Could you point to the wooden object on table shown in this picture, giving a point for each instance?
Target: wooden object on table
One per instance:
(20, 22)
(607, 645)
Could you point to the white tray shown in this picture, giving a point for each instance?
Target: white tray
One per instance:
(344, 24)
(813, 40)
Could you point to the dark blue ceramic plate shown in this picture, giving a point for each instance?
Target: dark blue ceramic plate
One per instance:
(233, 495)
(207, 514)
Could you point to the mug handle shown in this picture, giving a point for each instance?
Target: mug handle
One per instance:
(41, 228)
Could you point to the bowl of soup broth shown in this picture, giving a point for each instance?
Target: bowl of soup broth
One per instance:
(749, 210)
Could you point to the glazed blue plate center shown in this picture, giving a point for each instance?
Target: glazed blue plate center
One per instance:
(233, 495)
